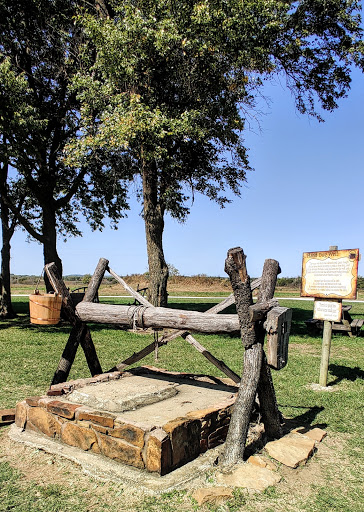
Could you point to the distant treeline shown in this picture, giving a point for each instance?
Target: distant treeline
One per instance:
(288, 282)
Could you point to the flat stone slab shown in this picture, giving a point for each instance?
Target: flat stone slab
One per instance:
(124, 394)
(249, 476)
(212, 495)
(151, 399)
(291, 450)
(317, 434)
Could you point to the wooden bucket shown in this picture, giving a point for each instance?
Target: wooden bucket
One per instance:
(45, 309)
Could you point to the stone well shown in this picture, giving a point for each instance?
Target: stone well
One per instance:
(147, 418)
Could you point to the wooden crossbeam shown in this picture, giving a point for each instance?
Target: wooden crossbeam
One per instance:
(134, 358)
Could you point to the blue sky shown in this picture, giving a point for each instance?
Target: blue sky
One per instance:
(305, 194)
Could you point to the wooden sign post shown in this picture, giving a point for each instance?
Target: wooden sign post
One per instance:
(330, 276)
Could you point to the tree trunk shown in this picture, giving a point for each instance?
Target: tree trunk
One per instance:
(50, 242)
(6, 308)
(154, 226)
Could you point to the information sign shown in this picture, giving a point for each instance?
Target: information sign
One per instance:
(330, 274)
(330, 310)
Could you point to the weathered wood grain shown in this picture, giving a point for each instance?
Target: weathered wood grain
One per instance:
(145, 317)
(80, 333)
(137, 356)
(256, 371)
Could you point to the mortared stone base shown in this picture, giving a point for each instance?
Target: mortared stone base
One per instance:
(152, 424)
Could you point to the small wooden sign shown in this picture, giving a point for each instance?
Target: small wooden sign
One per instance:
(330, 310)
(330, 274)
(278, 327)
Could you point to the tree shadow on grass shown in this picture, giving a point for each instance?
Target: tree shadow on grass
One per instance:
(345, 373)
(4, 324)
(306, 419)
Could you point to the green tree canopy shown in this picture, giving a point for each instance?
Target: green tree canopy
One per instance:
(167, 85)
(39, 114)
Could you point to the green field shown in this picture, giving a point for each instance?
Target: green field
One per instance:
(331, 481)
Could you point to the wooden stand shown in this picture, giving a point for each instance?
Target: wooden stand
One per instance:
(251, 319)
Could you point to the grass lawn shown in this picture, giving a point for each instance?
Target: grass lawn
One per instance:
(331, 481)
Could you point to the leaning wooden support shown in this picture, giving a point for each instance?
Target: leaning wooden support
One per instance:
(132, 292)
(268, 403)
(252, 335)
(137, 356)
(80, 333)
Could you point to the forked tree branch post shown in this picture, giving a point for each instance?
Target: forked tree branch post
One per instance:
(252, 335)
(80, 333)
(271, 416)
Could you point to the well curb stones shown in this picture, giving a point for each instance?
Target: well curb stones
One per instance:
(159, 448)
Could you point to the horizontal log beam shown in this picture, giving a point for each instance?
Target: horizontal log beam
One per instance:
(145, 317)
(137, 356)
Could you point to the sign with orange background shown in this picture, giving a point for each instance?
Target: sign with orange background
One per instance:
(330, 274)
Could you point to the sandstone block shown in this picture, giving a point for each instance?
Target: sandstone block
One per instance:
(33, 401)
(44, 421)
(83, 438)
(218, 436)
(21, 414)
(212, 495)
(121, 451)
(101, 418)
(317, 434)
(209, 413)
(44, 401)
(159, 452)
(98, 428)
(7, 416)
(291, 451)
(55, 392)
(63, 409)
(262, 462)
(130, 433)
(185, 439)
(249, 477)
(60, 389)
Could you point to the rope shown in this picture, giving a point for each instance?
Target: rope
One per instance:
(136, 316)
(40, 277)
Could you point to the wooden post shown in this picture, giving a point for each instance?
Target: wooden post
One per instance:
(80, 333)
(326, 344)
(268, 403)
(325, 354)
(253, 354)
(256, 373)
